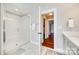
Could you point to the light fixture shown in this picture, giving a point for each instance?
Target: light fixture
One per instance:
(50, 14)
(16, 9)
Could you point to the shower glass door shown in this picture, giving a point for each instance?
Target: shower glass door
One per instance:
(10, 34)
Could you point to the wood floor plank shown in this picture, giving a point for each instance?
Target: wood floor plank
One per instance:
(49, 42)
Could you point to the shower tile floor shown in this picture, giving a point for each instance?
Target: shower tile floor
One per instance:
(27, 49)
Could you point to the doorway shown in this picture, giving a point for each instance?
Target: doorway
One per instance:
(48, 29)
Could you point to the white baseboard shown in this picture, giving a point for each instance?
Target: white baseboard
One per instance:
(59, 50)
(35, 43)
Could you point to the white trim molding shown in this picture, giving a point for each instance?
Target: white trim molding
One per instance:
(55, 24)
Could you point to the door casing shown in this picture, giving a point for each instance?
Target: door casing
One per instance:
(55, 24)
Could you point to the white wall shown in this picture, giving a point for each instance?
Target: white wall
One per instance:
(0, 28)
(46, 28)
(35, 20)
(73, 13)
(52, 28)
(25, 29)
(59, 40)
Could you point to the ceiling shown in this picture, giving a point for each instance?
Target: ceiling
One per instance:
(27, 8)
(22, 8)
(49, 15)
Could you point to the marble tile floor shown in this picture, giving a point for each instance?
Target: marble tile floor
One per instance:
(48, 51)
(32, 49)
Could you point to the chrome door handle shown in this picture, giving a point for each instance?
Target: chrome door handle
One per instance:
(39, 33)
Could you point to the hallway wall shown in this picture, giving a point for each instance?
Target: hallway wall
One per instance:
(46, 29)
(52, 28)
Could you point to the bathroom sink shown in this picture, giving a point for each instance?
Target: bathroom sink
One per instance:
(76, 36)
(72, 34)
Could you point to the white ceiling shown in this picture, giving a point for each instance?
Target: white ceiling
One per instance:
(23, 9)
(27, 8)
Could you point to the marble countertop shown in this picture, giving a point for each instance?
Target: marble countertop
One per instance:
(72, 36)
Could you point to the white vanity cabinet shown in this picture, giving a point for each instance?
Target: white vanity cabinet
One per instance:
(69, 47)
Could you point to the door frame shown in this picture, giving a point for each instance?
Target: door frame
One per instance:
(55, 24)
(2, 20)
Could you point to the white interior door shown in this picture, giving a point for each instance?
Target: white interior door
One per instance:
(11, 34)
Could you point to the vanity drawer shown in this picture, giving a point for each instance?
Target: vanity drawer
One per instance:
(73, 48)
(77, 51)
(68, 51)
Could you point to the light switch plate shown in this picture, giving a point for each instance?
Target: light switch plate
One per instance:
(33, 26)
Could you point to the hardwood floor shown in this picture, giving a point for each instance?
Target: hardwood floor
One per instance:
(49, 42)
